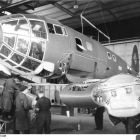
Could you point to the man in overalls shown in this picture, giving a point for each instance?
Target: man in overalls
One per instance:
(43, 106)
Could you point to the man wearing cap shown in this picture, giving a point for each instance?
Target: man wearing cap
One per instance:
(43, 106)
(99, 118)
(21, 113)
(8, 96)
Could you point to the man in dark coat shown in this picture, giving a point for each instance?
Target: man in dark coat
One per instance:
(99, 118)
(8, 96)
(21, 113)
(43, 106)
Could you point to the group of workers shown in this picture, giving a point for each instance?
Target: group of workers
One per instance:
(14, 105)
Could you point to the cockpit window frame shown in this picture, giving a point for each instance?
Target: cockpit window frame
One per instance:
(65, 32)
(42, 39)
(14, 16)
(17, 36)
(18, 53)
(81, 50)
(50, 29)
(33, 40)
(44, 26)
(28, 41)
(24, 64)
(8, 48)
(11, 19)
(63, 29)
(56, 25)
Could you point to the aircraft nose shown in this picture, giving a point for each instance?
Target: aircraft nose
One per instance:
(1, 35)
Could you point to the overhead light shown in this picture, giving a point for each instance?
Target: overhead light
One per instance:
(6, 12)
(75, 6)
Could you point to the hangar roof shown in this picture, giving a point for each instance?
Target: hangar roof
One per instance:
(68, 11)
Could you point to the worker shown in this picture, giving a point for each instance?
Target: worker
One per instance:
(43, 106)
(21, 113)
(8, 96)
(99, 118)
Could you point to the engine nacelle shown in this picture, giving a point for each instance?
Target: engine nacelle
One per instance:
(119, 94)
(80, 95)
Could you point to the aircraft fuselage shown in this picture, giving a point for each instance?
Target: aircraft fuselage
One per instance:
(36, 45)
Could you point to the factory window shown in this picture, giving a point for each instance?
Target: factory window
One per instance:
(114, 58)
(37, 49)
(9, 39)
(30, 64)
(5, 51)
(58, 29)
(17, 58)
(22, 44)
(50, 28)
(79, 46)
(38, 29)
(109, 55)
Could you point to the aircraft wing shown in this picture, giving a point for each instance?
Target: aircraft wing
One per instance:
(119, 95)
(122, 95)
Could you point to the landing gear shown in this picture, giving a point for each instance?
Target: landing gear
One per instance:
(130, 125)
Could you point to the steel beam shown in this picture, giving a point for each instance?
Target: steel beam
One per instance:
(63, 9)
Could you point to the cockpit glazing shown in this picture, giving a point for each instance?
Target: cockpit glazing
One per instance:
(24, 42)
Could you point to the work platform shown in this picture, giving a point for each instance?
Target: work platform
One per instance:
(3, 125)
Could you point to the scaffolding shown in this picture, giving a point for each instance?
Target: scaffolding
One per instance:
(99, 31)
(3, 126)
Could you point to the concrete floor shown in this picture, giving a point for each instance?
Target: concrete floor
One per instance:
(65, 125)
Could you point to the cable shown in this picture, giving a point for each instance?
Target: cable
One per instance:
(85, 8)
(101, 13)
(104, 23)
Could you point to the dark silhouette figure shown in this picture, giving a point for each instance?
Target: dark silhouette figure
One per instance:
(43, 106)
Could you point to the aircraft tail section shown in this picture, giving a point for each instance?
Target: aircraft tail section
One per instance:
(135, 59)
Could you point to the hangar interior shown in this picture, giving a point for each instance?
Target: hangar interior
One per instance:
(118, 19)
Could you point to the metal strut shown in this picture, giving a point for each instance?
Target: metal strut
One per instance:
(99, 31)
